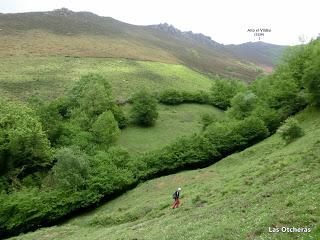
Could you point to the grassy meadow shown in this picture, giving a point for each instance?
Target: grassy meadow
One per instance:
(173, 122)
(49, 77)
(240, 197)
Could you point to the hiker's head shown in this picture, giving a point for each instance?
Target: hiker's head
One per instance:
(179, 189)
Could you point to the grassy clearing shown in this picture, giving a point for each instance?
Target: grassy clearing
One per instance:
(268, 185)
(49, 77)
(185, 119)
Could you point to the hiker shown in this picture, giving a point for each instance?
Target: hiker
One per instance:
(176, 196)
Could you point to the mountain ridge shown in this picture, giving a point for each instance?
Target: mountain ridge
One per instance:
(68, 33)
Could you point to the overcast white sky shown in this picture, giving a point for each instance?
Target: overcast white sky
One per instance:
(225, 21)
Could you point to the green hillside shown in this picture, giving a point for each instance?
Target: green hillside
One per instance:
(268, 185)
(49, 77)
(82, 34)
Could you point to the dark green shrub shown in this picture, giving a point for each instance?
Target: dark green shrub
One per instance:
(171, 97)
(144, 108)
(105, 129)
(285, 97)
(108, 172)
(196, 97)
(95, 99)
(224, 137)
(190, 151)
(281, 91)
(90, 97)
(71, 170)
(84, 140)
(52, 116)
(207, 119)
(224, 90)
(120, 117)
(311, 75)
(24, 146)
(242, 105)
(246, 104)
(175, 97)
(92, 93)
(119, 157)
(233, 135)
(253, 129)
(29, 208)
(290, 130)
(269, 116)
(294, 63)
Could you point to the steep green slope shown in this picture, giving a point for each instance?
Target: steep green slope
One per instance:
(66, 33)
(268, 185)
(49, 77)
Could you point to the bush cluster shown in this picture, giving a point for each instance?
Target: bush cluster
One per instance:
(220, 94)
(175, 97)
(24, 147)
(223, 90)
(290, 130)
(144, 108)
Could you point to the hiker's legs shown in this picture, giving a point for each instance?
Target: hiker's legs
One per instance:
(176, 203)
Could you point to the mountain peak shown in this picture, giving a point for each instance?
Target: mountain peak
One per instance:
(169, 28)
(65, 12)
(165, 27)
(62, 11)
(200, 37)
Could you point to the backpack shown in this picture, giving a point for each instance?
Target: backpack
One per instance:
(174, 195)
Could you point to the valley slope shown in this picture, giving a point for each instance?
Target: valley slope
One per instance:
(270, 184)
